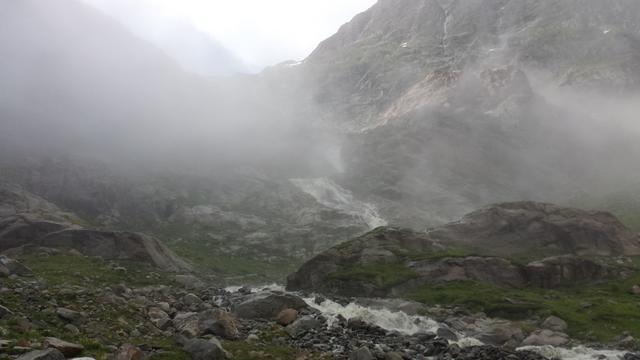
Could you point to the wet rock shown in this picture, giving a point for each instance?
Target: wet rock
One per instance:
(554, 323)
(48, 354)
(287, 316)
(201, 349)
(302, 325)
(489, 331)
(546, 337)
(446, 334)
(267, 305)
(218, 322)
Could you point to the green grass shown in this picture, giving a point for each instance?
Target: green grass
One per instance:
(90, 272)
(381, 275)
(599, 312)
(267, 347)
(244, 268)
(111, 322)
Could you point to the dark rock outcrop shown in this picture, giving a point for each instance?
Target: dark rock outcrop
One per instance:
(554, 237)
(521, 227)
(26, 220)
(117, 245)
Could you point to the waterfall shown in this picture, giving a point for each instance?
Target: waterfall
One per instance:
(333, 196)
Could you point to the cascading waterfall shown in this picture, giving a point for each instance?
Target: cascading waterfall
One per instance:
(333, 196)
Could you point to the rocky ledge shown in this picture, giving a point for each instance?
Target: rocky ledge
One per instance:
(28, 221)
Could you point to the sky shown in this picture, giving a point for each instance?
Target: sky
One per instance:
(260, 33)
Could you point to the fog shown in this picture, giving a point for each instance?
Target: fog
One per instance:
(77, 83)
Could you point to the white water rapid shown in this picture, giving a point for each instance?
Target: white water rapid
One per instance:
(404, 323)
(333, 196)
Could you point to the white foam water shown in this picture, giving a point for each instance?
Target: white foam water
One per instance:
(404, 323)
(389, 320)
(576, 353)
(333, 196)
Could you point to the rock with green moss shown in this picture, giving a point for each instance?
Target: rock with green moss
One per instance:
(510, 245)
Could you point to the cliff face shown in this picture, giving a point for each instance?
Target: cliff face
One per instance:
(386, 55)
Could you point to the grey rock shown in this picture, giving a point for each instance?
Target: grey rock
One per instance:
(68, 349)
(546, 337)
(201, 349)
(10, 266)
(189, 281)
(48, 354)
(362, 353)
(267, 305)
(554, 323)
(187, 324)
(70, 315)
(192, 300)
(4, 311)
(302, 325)
(159, 318)
(218, 322)
(446, 334)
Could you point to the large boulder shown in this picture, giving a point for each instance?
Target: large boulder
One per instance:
(267, 304)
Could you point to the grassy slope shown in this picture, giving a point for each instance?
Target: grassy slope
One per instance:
(595, 312)
(111, 323)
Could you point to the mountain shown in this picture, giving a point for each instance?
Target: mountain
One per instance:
(414, 113)
(451, 105)
(193, 49)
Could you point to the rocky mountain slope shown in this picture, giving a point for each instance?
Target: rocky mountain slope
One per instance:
(457, 104)
(511, 245)
(419, 110)
(28, 223)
